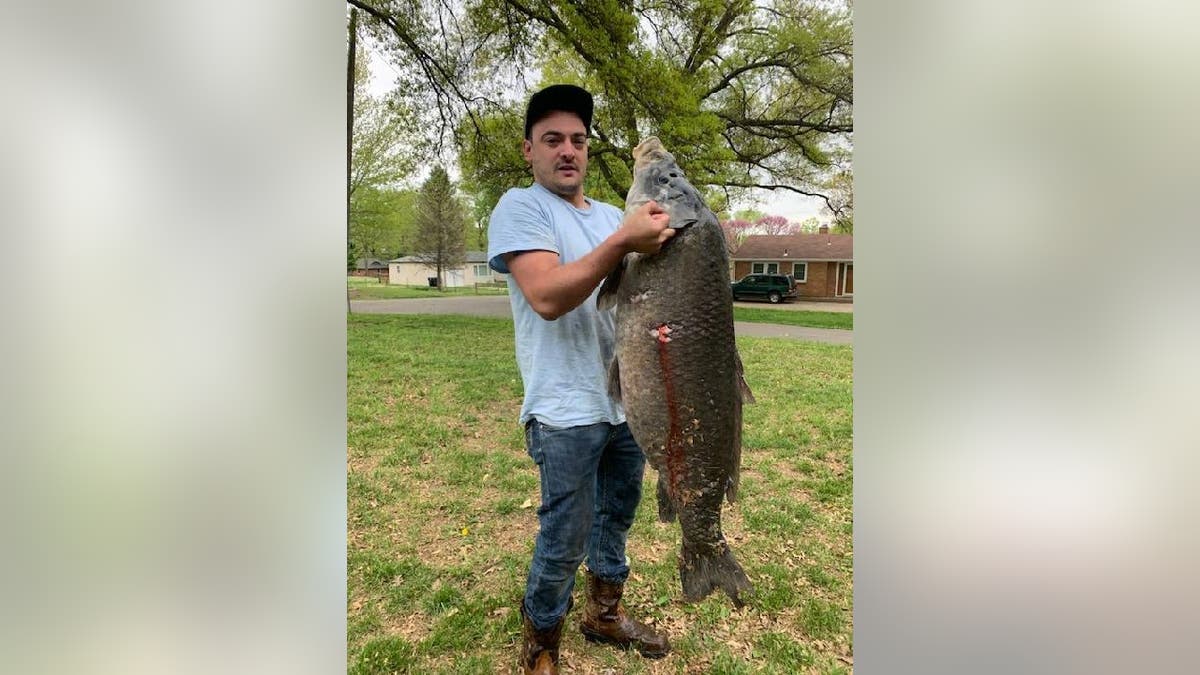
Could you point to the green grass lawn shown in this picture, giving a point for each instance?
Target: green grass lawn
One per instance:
(798, 317)
(442, 500)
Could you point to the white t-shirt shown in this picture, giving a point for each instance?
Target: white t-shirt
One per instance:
(563, 363)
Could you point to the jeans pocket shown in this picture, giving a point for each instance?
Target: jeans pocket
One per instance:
(532, 442)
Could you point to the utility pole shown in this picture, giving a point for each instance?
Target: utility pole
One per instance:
(350, 126)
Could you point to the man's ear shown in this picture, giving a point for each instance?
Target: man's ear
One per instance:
(526, 148)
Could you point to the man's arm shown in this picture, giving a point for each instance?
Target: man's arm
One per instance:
(553, 289)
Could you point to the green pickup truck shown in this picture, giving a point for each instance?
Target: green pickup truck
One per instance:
(773, 288)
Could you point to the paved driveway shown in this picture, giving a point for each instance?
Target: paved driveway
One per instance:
(498, 306)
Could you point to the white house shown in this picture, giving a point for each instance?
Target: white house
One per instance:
(411, 272)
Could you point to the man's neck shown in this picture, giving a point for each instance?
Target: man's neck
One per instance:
(577, 200)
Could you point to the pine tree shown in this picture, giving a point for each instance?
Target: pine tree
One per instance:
(441, 222)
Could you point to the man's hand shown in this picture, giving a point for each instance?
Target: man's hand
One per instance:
(645, 228)
(553, 289)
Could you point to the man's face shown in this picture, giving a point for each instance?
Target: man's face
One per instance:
(557, 152)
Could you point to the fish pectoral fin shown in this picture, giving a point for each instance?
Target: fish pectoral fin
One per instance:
(614, 380)
(607, 298)
(742, 385)
(747, 395)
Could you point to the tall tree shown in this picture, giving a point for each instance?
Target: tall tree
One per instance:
(440, 225)
(382, 158)
(384, 143)
(384, 221)
(351, 51)
(748, 95)
(841, 201)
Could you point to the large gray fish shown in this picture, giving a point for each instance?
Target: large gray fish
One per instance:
(677, 371)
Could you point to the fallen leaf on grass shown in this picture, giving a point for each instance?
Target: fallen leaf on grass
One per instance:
(527, 503)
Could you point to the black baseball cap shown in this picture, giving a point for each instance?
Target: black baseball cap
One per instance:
(565, 97)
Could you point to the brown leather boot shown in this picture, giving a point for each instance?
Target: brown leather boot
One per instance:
(539, 649)
(605, 620)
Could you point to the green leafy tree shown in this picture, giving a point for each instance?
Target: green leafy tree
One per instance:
(478, 217)
(749, 214)
(749, 96)
(440, 225)
(809, 225)
(382, 158)
(841, 201)
(383, 222)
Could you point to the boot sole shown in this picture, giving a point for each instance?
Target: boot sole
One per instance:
(604, 639)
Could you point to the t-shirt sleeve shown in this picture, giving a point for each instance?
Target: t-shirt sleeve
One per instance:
(518, 223)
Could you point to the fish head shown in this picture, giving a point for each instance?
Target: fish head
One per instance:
(657, 177)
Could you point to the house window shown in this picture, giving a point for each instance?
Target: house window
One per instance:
(482, 271)
(800, 272)
(764, 268)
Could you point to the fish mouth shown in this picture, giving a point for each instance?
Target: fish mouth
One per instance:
(682, 224)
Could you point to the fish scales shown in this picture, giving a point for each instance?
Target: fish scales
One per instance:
(677, 370)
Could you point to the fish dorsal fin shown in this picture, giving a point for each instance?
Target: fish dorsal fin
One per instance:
(607, 297)
(614, 380)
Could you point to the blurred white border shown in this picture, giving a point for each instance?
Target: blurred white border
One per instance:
(175, 359)
(1025, 348)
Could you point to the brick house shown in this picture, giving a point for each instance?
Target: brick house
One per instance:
(370, 267)
(822, 264)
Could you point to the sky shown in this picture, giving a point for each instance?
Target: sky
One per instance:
(794, 207)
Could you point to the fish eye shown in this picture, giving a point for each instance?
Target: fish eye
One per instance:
(663, 180)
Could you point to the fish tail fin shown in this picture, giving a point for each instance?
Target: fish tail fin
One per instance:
(704, 572)
(666, 507)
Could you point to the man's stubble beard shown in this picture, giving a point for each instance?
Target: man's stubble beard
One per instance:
(567, 192)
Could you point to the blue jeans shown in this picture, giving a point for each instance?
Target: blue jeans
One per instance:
(591, 480)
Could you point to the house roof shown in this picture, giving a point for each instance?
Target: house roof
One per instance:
(472, 257)
(796, 247)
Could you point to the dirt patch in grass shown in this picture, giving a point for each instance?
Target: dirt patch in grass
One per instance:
(413, 627)
(361, 463)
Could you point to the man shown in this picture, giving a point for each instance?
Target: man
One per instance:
(557, 246)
